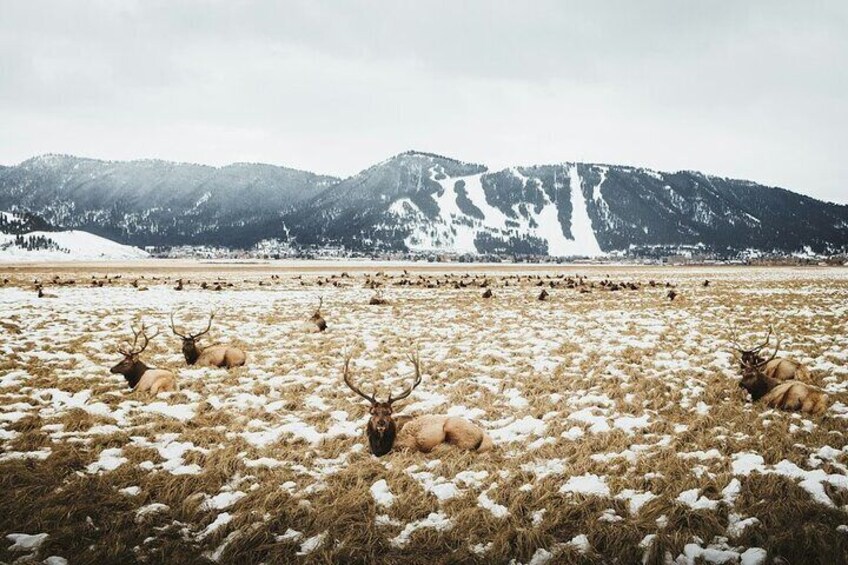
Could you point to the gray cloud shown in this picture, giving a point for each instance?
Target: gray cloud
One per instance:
(752, 90)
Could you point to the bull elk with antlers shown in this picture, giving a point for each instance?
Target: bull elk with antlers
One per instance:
(212, 356)
(139, 376)
(317, 323)
(378, 299)
(421, 433)
(778, 368)
(779, 382)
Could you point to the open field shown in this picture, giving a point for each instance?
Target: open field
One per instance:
(621, 434)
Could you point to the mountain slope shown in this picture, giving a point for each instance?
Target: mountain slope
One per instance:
(426, 202)
(156, 202)
(64, 246)
(423, 202)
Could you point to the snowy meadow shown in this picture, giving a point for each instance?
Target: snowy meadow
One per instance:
(620, 432)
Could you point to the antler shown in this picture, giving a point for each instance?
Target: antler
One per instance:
(351, 386)
(773, 355)
(174, 329)
(416, 363)
(131, 352)
(755, 349)
(320, 303)
(765, 343)
(734, 339)
(192, 336)
(208, 326)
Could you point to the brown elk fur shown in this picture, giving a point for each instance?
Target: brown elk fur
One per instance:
(783, 369)
(378, 299)
(788, 395)
(317, 323)
(139, 376)
(778, 368)
(425, 433)
(212, 356)
(421, 433)
(797, 396)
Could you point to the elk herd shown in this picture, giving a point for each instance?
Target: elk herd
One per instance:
(776, 382)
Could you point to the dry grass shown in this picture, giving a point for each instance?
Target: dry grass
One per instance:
(626, 385)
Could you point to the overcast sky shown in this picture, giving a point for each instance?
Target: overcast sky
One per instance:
(755, 90)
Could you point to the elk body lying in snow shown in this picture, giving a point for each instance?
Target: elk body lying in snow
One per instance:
(139, 376)
(779, 382)
(778, 368)
(378, 299)
(317, 323)
(42, 294)
(422, 433)
(788, 395)
(213, 356)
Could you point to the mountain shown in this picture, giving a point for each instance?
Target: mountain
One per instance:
(424, 202)
(153, 202)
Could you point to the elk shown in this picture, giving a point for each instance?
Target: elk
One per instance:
(777, 368)
(543, 295)
(139, 376)
(42, 294)
(788, 395)
(779, 382)
(421, 433)
(487, 293)
(377, 299)
(317, 323)
(225, 356)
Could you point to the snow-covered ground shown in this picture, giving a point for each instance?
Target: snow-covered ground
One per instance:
(75, 246)
(620, 431)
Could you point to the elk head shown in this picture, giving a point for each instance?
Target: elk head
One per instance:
(377, 299)
(190, 349)
(382, 428)
(750, 358)
(753, 365)
(131, 367)
(317, 318)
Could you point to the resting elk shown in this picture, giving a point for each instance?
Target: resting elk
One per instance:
(317, 324)
(378, 299)
(778, 368)
(421, 433)
(764, 380)
(225, 356)
(139, 376)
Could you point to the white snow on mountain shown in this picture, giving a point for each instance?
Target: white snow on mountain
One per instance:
(456, 231)
(74, 246)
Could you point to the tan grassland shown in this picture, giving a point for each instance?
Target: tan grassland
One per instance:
(621, 434)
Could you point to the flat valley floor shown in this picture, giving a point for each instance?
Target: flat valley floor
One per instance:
(621, 432)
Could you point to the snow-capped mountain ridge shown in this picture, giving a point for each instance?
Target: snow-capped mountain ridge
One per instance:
(423, 201)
